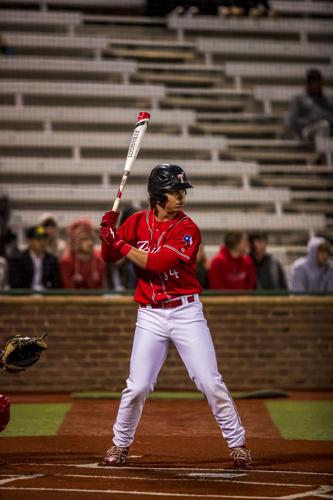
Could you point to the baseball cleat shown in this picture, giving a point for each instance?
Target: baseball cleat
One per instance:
(115, 456)
(242, 457)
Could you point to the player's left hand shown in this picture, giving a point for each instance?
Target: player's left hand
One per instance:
(108, 234)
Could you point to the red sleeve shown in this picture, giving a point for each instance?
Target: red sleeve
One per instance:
(217, 275)
(66, 270)
(183, 245)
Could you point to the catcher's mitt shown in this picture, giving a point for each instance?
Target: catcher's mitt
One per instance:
(21, 352)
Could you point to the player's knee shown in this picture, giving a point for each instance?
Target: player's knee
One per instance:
(140, 391)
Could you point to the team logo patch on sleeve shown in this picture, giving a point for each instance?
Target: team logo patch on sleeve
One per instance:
(188, 240)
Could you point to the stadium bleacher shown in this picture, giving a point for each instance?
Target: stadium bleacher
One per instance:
(217, 89)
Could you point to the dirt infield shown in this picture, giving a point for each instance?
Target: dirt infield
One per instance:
(169, 467)
(178, 453)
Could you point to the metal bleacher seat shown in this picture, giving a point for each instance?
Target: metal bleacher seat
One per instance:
(303, 7)
(137, 193)
(196, 169)
(21, 88)
(43, 4)
(250, 26)
(65, 20)
(79, 143)
(209, 221)
(64, 66)
(273, 71)
(79, 44)
(252, 49)
(49, 115)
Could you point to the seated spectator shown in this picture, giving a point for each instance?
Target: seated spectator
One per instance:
(313, 273)
(239, 8)
(311, 113)
(269, 272)
(236, 8)
(231, 268)
(82, 265)
(202, 267)
(34, 268)
(260, 8)
(54, 245)
(8, 239)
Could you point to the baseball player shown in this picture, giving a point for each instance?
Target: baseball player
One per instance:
(162, 242)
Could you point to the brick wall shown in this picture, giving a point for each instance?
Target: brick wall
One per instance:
(280, 342)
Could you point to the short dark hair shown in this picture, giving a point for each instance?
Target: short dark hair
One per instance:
(233, 238)
(258, 235)
(313, 75)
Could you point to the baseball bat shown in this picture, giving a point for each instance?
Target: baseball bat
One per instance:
(133, 150)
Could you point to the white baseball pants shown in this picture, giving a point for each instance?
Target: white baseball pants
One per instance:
(186, 327)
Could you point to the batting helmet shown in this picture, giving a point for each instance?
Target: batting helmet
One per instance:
(4, 412)
(166, 177)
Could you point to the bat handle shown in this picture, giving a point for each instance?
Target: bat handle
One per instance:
(116, 204)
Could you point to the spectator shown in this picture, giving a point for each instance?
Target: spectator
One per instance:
(202, 267)
(121, 275)
(54, 245)
(8, 239)
(236, 8)
(311, 113)
(269, 272)
(313, 273)
(34, 268)
(5, 50)
(260, 8)
(231, 268)
(3, 274)
(82, 265)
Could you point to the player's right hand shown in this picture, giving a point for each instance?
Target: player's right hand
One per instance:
(110, 219)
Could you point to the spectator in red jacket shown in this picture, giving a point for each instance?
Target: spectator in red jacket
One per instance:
(232, 268)
(82, 265)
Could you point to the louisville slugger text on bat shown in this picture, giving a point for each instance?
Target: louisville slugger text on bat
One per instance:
(133, 150)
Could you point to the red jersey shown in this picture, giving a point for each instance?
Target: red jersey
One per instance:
(229, 273)
(175, 241)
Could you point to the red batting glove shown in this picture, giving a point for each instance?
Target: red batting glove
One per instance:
(110, 237)
(110, 218)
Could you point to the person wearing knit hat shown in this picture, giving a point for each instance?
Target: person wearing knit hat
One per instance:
(54, 245)
(82, 265)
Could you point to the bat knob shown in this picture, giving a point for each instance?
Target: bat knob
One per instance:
(143, 115)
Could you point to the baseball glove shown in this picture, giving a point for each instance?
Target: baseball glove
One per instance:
(21, 352)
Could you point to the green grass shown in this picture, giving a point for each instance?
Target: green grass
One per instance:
(311, 420)
(185, 395)
(35, 419)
